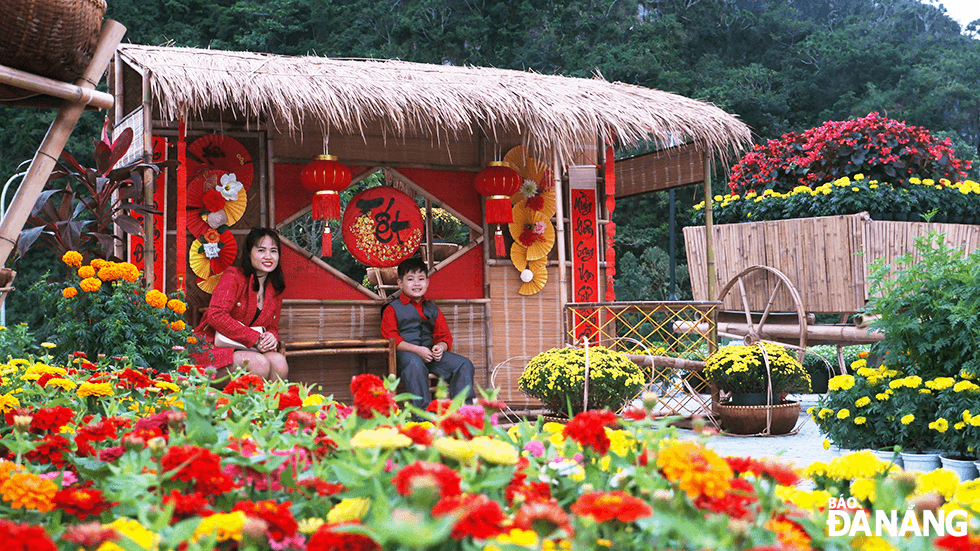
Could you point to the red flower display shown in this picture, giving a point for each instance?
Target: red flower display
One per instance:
(782, 474)
(51, 419)
(321, 486)
(479, 516)
(187, 505)
(606, 506)
(735, 501)
(543, 517)
(463, 420)
(82, 502)
(327, 539)
(370, 397)
(23, 537)
(245, 384)
(880, 148)
(426, 474)
(290, 398)
(588, 429)
(277, 516)
(52, 450)
(197, 465)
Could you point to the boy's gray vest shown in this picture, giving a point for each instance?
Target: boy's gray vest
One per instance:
(411, 326)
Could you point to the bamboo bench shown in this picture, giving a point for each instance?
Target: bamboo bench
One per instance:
(344, 346)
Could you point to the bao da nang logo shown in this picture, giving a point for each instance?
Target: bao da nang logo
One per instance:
(847, 519)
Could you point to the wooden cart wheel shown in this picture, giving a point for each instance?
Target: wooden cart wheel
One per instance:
(756, 328)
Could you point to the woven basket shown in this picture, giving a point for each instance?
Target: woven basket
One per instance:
(752, 419)
(51, 38)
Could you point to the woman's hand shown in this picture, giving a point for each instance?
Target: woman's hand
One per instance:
(267, 342)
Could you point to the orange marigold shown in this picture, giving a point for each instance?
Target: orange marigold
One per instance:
(69, 292)
(177, 325)
(156, 298)
(191, 340)
(98, 263)
(698, 470)
(72, 258)
(90, 284)
(177, 306)
(109, 272)
(29, 491)
(86, 271)
(129, 272)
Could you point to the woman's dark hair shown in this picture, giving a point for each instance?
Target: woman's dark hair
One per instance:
(275, 278)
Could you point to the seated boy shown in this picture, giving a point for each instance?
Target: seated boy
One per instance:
(422, 338)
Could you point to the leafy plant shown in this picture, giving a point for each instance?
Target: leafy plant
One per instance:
(742, 368)
(108, 197)
(876, 146)
(928, 308)
(557, 378)
(16, 342)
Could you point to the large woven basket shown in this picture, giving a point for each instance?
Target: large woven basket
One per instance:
(51, 38)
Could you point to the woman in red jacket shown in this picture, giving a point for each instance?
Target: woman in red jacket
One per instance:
(246, 297)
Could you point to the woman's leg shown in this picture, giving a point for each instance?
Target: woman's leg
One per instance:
(255, 362)
(278, 368)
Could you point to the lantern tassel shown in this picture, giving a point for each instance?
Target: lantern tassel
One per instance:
(326, 205)
(499, 210)
(498, 241)
(327, 241)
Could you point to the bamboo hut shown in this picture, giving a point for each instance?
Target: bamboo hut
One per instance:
(430, 130)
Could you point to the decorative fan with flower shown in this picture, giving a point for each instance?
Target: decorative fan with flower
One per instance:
(538, 189)
(216, 199)
(210, 255)
(534, 236)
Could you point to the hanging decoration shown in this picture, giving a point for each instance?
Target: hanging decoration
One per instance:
(382, 226)
(498, 182)
(326, 177)
(583, 218)
(210, 255)
(534, 273)
(538, 185)
(217, 200)
(532, 230)
(223, 153)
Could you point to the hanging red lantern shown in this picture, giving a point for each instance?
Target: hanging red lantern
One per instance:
(326, 177)
(498, 182)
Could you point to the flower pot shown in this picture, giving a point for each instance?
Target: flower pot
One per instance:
(752, 419)
(921, 462)
(750, 399)
(888, 455)
(964, 467)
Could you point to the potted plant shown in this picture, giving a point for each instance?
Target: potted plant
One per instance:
(858, 410)
(557, 378)
(956, 426)
(757, 377)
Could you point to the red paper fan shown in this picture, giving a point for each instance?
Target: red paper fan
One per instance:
(220, 152)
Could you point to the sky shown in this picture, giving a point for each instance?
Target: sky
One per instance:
(963, 11)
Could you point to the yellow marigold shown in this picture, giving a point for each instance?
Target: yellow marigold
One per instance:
(803, 499)
(825, 413)
(94, 389)
(940, 425)
(177, 306)
(29, 491)
(841, 382)
(940, 383)
(58, 382)
(86, 272)
(384, 437)
(696, 469)
(455, 449)
(941, 481)
(862, 401)
(860, 420)
(863, 488)
(226, 526)
(69, 292)
(72, 258)
(349, 509)
(493, 450)
(843, 414)
(135, 531)
(966, 386)
(907, 419)
(882, 396)
(178, 325)
(156, 298)
(8, 402)
(90, 284)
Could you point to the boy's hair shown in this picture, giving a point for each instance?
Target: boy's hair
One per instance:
(412, 264)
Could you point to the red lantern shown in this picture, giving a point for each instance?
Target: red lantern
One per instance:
(326, 178)
(498, 182)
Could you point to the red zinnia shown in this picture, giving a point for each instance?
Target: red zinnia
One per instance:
(195, 464)
(543, 517)
(52, 449)
(439, 406)
(422, 474)
(326, 539)
(479, 516)
(462, 420)
(418, 433)
(605, 506)
(733, 503)
(588, 429)
(89, 535)
(321, 486)
(277, 516)
(781, 473)
(370, 397)
(51, 419)
(245, 384)
(290, 398)
(187, 505)
(82, 502)
(23, 537)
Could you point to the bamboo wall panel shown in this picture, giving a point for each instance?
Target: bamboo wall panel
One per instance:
(827, 258)
(523, 325)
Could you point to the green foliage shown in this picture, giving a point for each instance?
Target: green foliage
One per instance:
(928, 305)
(647, 277)
(16, 341)
(557, 378)
(743, 368)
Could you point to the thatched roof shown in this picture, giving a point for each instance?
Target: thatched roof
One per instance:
(353, 96)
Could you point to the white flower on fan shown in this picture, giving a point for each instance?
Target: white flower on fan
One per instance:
(211, 250)
(229, 187)
(529, 188)
(527, 275)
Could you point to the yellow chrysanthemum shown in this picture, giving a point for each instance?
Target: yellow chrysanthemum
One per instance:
(28, 491)
(156, 298)
(94, 389)
(226, 526)
(384, 437)
(696, 469)
(349, 509)
(69, 292)
(90, 284)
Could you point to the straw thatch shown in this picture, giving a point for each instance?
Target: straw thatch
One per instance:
(400, 98)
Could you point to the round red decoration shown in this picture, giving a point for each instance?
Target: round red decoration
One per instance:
(326, 178)
(382, 226)
(498, 182)
(220, 152)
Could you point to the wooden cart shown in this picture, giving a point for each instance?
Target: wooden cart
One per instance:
(775, 276)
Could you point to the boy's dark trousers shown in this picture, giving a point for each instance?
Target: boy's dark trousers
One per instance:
(454, 369)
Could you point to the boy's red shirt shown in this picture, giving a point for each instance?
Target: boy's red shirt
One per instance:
(389, 323)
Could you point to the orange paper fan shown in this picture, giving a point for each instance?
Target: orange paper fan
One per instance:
(535, 171)
(538, 276)
(523, 230)
(207, 285)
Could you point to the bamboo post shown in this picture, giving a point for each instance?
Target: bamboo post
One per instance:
(56, 88)
(149, 221)
(54, 141)
(560, 240)
(709, 252)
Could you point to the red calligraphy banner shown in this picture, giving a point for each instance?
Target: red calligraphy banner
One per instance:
(585, 244)
(382, 226)
(137, 246)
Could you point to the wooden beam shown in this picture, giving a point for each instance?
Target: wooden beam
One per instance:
(54, 141)
(44, 85)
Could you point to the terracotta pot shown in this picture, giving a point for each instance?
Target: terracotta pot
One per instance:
(752, 419)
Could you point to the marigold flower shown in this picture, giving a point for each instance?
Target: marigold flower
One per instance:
(192, 340)
(178, 325)
(86, 272)
(69, 292)
(843, 414)
(606, 506)
(696, 469)
(72, 258)
(177, 306)
(90, 284)
(28, 491)
(940, 425)
(156, 298)
(907, 419)
(862, 401)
